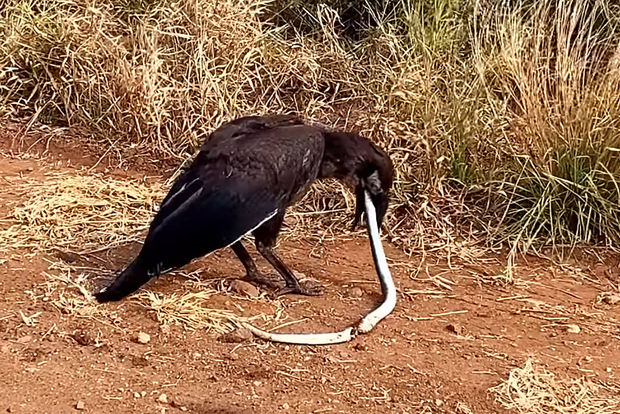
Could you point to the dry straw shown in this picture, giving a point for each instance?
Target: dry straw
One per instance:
(190, 310)
(80, 213)
(530, 390)
(88, 213)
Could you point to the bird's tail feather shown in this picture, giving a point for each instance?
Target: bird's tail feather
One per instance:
(130, 280)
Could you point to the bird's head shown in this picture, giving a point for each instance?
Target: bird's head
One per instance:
(364, 166)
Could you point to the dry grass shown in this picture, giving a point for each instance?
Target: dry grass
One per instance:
(511, 108)
(69, 288)
(80, 213)
(530, 390)
(84, 213)
(190, 310)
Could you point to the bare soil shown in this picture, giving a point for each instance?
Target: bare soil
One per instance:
(439, 352)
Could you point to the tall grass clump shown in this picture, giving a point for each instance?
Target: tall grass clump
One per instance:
(162, 72)
(554, 68)
(503, 113)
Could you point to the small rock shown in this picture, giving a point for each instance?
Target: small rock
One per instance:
(80, 405)
(68, 257)
(183, 408)
(24, 339)
(83, 338)
(612, 299)
(143, 338)
(136, 394)
(457, 329)
(244, 288)
(163, 398)
(285, 406)
(573, 328)
(360, 347)
(237, 336)
(356, 293)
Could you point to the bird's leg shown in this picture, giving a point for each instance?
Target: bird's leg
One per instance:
(292, 284)
(265, 238)
(252, 273)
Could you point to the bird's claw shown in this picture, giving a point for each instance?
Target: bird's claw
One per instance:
(306, 288)
(271, 281)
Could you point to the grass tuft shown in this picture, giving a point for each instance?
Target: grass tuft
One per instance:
(532, 391)
(510, 106)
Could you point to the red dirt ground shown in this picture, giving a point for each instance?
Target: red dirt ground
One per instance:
(434, 354)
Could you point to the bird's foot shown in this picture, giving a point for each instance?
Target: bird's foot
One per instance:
(272, 281)
(305, 287)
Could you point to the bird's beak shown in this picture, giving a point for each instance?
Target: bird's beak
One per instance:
(379, 201)
(359, 206)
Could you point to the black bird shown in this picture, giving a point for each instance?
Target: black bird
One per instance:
(244, 177)
(360, 164)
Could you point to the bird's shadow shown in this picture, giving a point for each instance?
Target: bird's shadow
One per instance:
(102, 267)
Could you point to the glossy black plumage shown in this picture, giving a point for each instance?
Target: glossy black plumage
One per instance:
(233, 186)
(245, 176)
(361, 165)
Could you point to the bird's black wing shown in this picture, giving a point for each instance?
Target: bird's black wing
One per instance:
(199, 219)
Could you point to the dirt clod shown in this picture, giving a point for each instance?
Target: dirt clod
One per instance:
(244, 288)
(83, 338)
(139, 361)
(612, 299)
(68, 257)
(456, 329)
(237, 336)
(25, 339)
(573, 328)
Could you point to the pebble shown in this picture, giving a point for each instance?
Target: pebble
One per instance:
(457, 329)
(356, 293)
(143, 338)
(80, 405)
(244, 288)
(163, 398)
(573, 328)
